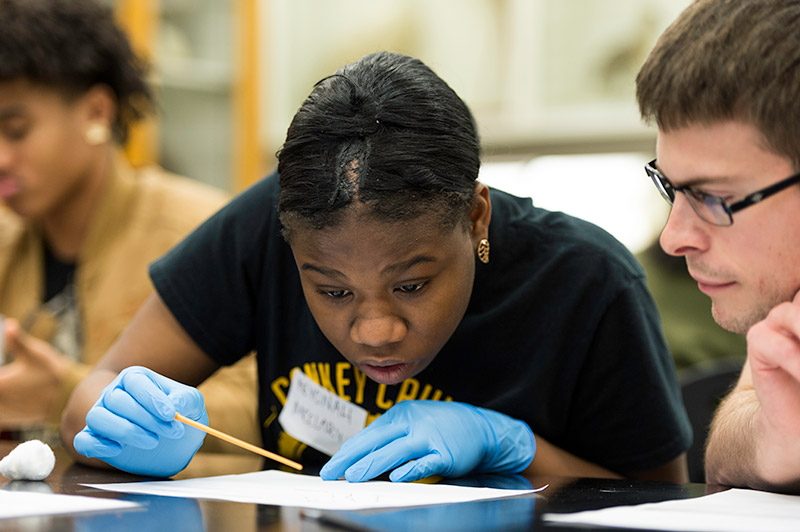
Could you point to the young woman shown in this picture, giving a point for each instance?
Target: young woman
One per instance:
(367, 265)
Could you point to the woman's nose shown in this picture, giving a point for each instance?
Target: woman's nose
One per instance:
(378, 331)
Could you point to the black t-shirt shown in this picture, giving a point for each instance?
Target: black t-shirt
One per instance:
(560, 331)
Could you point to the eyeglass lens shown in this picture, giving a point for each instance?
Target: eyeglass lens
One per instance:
(710, 208)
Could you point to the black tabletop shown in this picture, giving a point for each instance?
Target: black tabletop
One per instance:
(177, 514)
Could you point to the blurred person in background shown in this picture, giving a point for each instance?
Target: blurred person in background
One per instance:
(78, 224)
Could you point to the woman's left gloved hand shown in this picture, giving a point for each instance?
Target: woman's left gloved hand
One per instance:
(424, 438)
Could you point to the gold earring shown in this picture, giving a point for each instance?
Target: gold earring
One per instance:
(483, 251)
(97, 134)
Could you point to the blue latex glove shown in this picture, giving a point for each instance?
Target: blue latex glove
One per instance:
(132, 425)
(427, 438)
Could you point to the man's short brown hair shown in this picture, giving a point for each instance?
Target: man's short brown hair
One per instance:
(728, 60)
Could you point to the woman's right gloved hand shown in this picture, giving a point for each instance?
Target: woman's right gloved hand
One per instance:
(132, 425)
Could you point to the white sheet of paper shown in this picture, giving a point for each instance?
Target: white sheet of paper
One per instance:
(288, 489)
(27, 503)
(734, 510)
(319, 418)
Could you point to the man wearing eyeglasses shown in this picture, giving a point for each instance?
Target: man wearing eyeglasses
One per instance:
(723, 86)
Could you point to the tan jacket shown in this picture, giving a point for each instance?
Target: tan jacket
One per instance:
(142, 214)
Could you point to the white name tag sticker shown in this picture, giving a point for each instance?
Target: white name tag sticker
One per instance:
(317, 417)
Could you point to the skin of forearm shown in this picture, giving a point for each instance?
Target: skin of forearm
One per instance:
(73, 420)
(738, 452)
(552, 460)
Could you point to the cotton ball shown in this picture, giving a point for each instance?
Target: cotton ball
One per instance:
(30, 460)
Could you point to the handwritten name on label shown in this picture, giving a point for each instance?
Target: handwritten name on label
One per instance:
(319, 418)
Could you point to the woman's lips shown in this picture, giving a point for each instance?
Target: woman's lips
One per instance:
(8, 188)
(385, 373)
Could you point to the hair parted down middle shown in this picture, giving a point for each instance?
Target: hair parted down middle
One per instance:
(384, 132)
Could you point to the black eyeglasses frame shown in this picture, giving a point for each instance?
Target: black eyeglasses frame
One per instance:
(668, 190)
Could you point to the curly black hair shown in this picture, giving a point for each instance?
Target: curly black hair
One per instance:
(71, 46)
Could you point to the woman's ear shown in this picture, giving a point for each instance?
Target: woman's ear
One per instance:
(481, 213)
(99, 111)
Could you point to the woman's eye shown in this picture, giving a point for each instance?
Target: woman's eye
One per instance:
(335, 294)
(411, 288)
(15, 133)
(15, 128)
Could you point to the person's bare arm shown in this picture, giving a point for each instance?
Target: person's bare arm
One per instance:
(552, 460)
(153, 339)
(730, 449)
(755, 435)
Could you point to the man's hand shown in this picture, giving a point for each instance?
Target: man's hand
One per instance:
(30, 384)
(773, 352)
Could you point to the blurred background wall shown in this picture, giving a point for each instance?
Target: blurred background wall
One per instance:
(551, 83)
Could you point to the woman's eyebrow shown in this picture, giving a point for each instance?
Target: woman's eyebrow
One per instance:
(407, 264)
(391, 269)
(330, 272)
